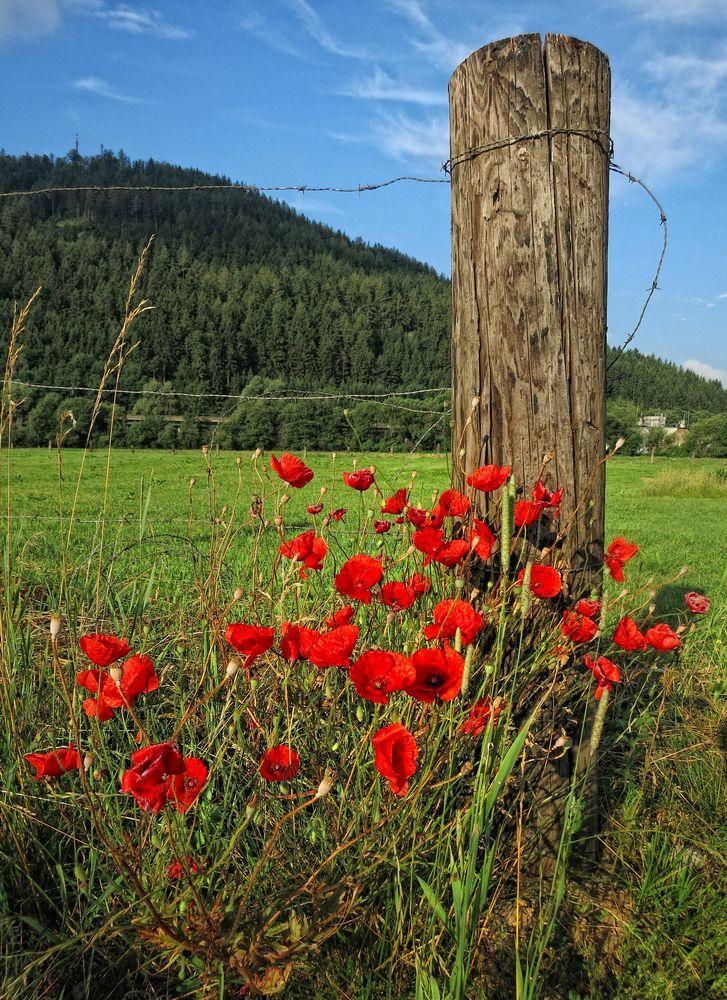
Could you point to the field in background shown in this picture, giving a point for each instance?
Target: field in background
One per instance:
(674, 509)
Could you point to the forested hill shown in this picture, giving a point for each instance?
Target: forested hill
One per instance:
(248, 297)
(241, 284)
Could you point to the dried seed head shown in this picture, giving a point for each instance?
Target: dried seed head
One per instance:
(474, 594)
(233, 665)
(256, 454)
(224, 510)
(192, 481)
(55, 626)
(205, 450)
(324, 490)
(278, 521)
(238, 461)
(238, 594)
(88, 761)
(116, 672)
(548, 457)
(284, 499)
(652, 609)
(325, 522)
(619, 444)
(683, 571)
(475, 402)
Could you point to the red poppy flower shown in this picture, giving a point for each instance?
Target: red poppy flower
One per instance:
(375, 674)
(250, 640)
(544, 580)
(381, 527)
(698, 604)
(397, 596)
(291, 470)
(147, 778)
(628, 636)
(619, 552)
(434, 517)
(185, 786)
(338, 513)
(395, 754)
(452, 503)
(417, 516)
(546, 497)
(315, 508)
(279, 763)
(138, 677)
(577, 627)
(54, 763)
(297, 641)
(334, 648)
(396, 503)
(485, 538)
(606, 673)
(452, 615)
(103, 650)
(588, 608)
(360, 480)
(342, 617)
(662, 637)
(488, 477)
(439, 674)
(306, 548)
(480, 713)
(452, 553)
(429, 541)
(420, 583)
(357, 576)
(176, 869)
(527, 511)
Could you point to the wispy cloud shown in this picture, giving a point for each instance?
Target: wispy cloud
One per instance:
(678, 10)
(320, 33)
(380, 86)
(28, 18)
(101, 88)
(313, 206)
(406, 138)
(256, 25)
(139, 21)
(706, 371)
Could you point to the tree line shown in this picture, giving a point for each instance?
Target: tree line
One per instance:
(250, 299)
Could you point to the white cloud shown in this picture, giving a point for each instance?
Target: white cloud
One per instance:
(679, 10)
(722, 295)
(318, 31)
(255, 25)
(101, 88)
(137, 21)
(28, 18)
(406, 138)
(706, 371)
(381, 87)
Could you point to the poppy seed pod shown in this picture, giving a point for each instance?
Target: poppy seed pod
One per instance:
(116, 673)
(55, 626)
(192, 481)
(238, 594)
(233, 666)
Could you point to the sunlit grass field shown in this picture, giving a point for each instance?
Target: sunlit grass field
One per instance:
(674, 509)
(648, 922)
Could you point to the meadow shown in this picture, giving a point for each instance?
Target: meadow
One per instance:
(343, 889)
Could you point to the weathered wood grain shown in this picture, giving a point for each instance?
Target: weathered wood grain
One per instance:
(529, 251)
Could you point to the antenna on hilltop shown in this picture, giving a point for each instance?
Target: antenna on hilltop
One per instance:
(76, 141)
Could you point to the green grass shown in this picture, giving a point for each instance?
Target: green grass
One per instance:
(421, 901)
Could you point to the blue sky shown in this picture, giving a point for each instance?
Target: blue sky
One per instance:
(324, 92)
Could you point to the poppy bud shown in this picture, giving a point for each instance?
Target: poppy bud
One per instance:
(284, 499)
(233, 665)
(326, 521)
(224, 510)
(548, 457)
(372, 469)
(88, 761)
(192, 481)
(325, 786)
(333, 455)
(413, 475)
(475, 402)
(683, 571)
(324, 490)
(116, 673)
(652, 609)
(278, 521)
(459, 583)
(205, 450)
(238, 461)
(359, 713)
(55, 626)
(238, 594)
(619, 444)
(680, 629)
(256, 454)
(474, 594)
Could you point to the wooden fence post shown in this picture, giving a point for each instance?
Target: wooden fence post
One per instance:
(529, 170)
